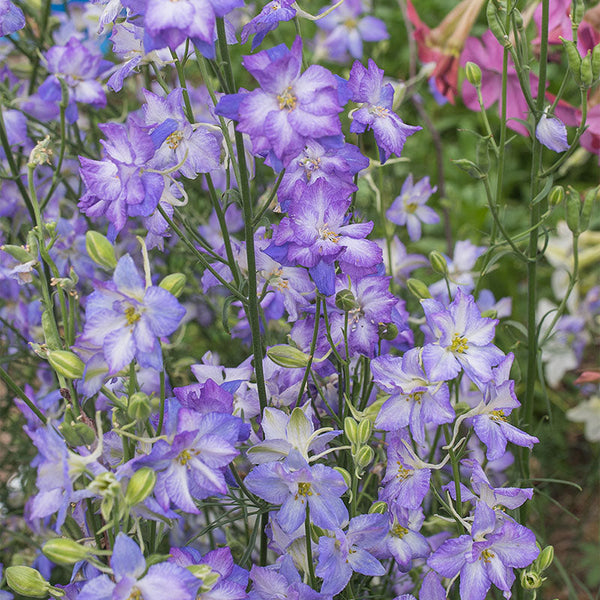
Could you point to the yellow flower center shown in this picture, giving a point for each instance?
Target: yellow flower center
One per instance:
(185, 456)
(411, 207)
(304, 489)
(459, 344)
(403, 472)
(135, 594)
(326, 234)
(379, 111)
(350, 23)
(287, 100)
(131, 316)
(174, 139)
(486, 556)
(416, 396)
(399, 531)
(498, 415)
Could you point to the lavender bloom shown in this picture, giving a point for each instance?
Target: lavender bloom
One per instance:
(11, 18)
(347, 30)
(415, 400)
(133, 581)
(462, 341)
(366, 87)
(267, 20)
(79, 68)
(552, 133)
(409, 207)
(403, 540)
(349, 551)
(488, 555)
(294, 484)
(403, 264)
(126, 318)
(289, 109)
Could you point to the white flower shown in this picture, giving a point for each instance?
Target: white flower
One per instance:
(588, 412)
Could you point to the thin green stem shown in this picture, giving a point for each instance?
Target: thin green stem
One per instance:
(17, 391)
(313, 345)
(309, 556)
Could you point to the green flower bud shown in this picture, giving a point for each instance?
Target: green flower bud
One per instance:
(577, 12)
(557, 195)
(140, 486)
(418, 289)
(519, 24)
(438, 262)
(29, 582)
(545, 559)
(364, 457)
(64, 551)
(365, 428)
(351, 430)
(387, 331)
(345, 300)
(139, 408)
(587, 75)
(174, 283)
(66, 363)
(379, 507)
(469, 167)
(588, 204)
(101, 251)
(531, 580)
(473, 73)
(572, 210)
(18, 253)
(33, 243)
(288, 356)
(345, 475)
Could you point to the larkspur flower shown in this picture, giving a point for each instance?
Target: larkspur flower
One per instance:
(552, 133)
(11, 18)
(268, 19)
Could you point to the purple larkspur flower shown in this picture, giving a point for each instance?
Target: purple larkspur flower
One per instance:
(415, 400)
(127, 318)
(409, 207)
(487, 556)
(295, 485)
(347, 28)
(289, 108)
(268, 19)
(403, 264)
(131, 580)
(552, 133)
(11, 18)
(463, 341)
(375, 110)
(346, 552)
(403, 540)
(79, 68)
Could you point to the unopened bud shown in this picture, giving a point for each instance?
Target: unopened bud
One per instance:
(365, 428)
(18, 253)
(557, 195)
(345, 300)
(344, 474)
(577, 12)
(66, 363)
(418, 289)
(174, 283)
(64, 551)
(596, 62)
(473, 74)
(351, 430)
(531, 580)
(140, 486)
(288, 356)
(545, 559)
(101, 251)
(41, 153)
(364, 457)
(387, 331)
(139, 408)
(379, 507)
(469, 167)
(29, 582)
(438, 262)
(573, 59)
(77, 434)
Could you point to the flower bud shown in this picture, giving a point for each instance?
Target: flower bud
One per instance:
(545, 559)
(64, 551)
(577, 12)
(41, 153)
(387, 331)
(49, 329)
(469, 167)
(495, 20)
(345, 300)
(365, 428)
(418, 289)
(18, 253)
(140, 486)
(351, 430)
(530, 580)
(364, 457)
(174, 283)
(473, 73)
(29, 582)
(438, 262)
(288, 356)
(101, 251)
(345, 475)
(557, 195)
(139, 407)
(596, 62)
(66, 363)
(378, 507)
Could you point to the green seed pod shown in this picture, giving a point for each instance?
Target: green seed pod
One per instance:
(473, 73)
(174, 283)
(139, 408)
(33, 244)
(365, 428)
(557, 195)
(573, 59)
(140, 486)
(596, 62)
(496, 21)
(66, 363)
(288, 356)
(101, 251)
(351, 430)
(545, 559)
(77, 433)
(345, 300)
(469, 167)
(418, 289)
(572, 211)
(587, 75)
(18, 253)
(364, 457)
(518, 17)
(530, 580)
(438, 262)
(64, 551)
(387, 331)
(588, 205)
(49, 329)
(577, 12)
(379, 507)
(345, 475)
(29, 582)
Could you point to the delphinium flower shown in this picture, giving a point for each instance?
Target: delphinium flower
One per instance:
(375, 111)
(347, 28)
(289, 108)
(461, 340)
(552, 133)
(132, 580)
(487, 555)
(79, 68)
(409, 207)
(294, 485)
(11, 18)
(403, 264)
(267, 20)
(350, 551)
(415, 400)
(126, 318)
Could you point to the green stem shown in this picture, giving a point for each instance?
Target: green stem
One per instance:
(313, 345)
(17, 391)
(309, 556)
